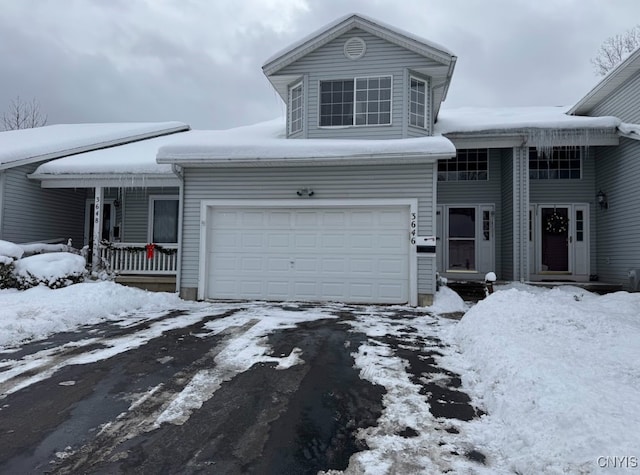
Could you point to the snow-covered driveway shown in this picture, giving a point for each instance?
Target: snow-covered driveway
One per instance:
(264, 388)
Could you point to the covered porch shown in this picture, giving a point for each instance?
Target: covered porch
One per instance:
(132, 213)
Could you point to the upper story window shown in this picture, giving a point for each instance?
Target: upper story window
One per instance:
(564, 163)
(295, 108)
(417, 102)
(358, 101)
(468, 165)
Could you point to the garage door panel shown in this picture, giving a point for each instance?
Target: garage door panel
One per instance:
(358, 254)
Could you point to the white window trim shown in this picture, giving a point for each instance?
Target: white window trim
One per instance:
(353, 124)
(152, 199)
(291, 89)
(426, 102)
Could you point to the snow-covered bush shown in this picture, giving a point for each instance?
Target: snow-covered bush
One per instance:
(55, 270)
(24, 266)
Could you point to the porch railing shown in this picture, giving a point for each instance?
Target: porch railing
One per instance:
(132, 258)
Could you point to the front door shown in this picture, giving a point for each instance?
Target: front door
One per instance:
(107, 222)
(561, 241)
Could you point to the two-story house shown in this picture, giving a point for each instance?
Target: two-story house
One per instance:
(368, 189)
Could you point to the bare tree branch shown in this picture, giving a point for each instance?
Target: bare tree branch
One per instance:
(614, 49)
(23, 115)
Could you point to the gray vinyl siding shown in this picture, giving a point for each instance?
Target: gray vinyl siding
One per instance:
(506, 263)
(572, 191)
(382, 58)
(624, 103)
(31, 213)
(135, 227)
(479, 192)
(618, 228)
(381, 182)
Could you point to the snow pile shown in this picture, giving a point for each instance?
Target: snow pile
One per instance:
(41, 248)
(557, 371)
(54, 269)
(40, 311)
(10, 250)
(447, 301)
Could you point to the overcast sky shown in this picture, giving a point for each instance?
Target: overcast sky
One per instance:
(199, 61)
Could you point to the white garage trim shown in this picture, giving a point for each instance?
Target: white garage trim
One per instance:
(205, 205)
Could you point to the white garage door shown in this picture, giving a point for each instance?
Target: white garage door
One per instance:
(358, 254)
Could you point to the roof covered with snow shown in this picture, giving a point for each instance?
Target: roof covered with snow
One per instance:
(265, 144)
(131, 158)
(515, 119)
(617, 76)
(19, 147)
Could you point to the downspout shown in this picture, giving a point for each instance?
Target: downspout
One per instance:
(177, 170)
(3, 181)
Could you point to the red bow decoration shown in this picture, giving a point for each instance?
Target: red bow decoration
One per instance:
(150, 249)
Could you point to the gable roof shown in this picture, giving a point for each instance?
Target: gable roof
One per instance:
(616, 77)
(342, 25)
(24, 146)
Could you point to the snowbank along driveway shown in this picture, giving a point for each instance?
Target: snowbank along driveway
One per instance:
(239, 388)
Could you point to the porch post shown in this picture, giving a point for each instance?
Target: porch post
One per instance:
(97, 227)
(521, 213)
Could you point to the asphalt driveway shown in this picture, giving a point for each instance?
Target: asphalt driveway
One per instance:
(238, 388)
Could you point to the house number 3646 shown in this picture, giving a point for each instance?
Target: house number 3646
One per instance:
(414, 225)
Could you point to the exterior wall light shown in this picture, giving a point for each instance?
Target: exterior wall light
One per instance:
(305, 192)
(602, 199)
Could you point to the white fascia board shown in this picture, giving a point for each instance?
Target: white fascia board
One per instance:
(388, 159)
(504, 139)
(107, 181)
(95, 146)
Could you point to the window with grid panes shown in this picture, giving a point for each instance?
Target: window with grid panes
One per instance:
(295, 108)
(359, 101)
(563, 163)
(467, 165)
(417, 102)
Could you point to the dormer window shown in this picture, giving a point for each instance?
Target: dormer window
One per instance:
(295, 108)
(358, 101)
(418, 103)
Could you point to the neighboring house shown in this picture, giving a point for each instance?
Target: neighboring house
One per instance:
(367, 190)
(618, 173)
(50, 211)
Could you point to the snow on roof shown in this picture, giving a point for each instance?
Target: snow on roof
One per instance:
(18, 147)
(631, 131)
(505, 119)
(130, 158)
(266, 143)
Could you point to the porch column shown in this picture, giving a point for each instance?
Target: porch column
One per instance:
(97, 227)
(521, 213)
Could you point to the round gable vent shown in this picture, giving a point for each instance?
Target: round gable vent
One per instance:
(355, 48)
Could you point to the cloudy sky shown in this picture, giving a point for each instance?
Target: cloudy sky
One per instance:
(199, 61)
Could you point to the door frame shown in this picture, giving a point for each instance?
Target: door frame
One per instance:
(442, 240)
(575, 250)
(206, 205)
